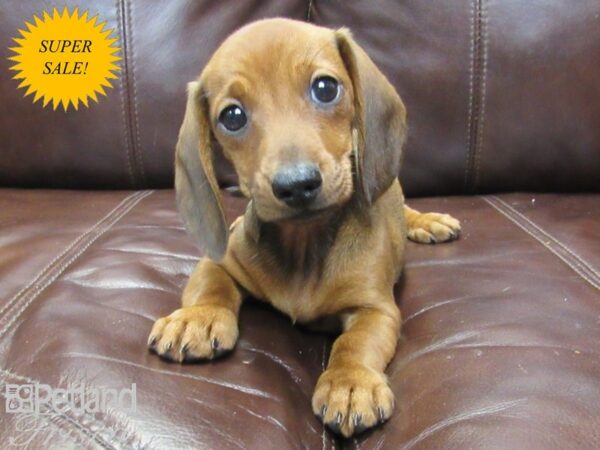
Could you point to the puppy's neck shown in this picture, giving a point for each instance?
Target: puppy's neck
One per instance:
(301, 247)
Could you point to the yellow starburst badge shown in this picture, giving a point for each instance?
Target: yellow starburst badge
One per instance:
(65, 58)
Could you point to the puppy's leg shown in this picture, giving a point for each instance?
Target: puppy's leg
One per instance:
(353, 393)
(430, 228)
(206, 325)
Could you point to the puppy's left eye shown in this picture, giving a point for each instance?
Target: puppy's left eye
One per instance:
(233, 118)
(325, 90)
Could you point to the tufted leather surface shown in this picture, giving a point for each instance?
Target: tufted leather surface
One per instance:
(127, 139)
(499, 350)
(501, 96)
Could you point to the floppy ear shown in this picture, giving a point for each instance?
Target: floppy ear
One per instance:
(379, 127)
(195, 182)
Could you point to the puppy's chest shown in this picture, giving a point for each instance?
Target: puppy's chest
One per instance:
(298, 296)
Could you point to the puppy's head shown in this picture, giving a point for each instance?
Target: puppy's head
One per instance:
(303, 114)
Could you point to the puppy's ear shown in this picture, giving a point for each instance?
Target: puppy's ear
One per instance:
(380, 120)
(195, 182)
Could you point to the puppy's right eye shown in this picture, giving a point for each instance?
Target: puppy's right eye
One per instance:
(233, 118)
(325, 90)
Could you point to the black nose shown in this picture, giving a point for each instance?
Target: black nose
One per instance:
(297, 185)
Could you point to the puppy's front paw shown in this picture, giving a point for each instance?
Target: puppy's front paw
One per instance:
(350, 400)
(431, 228)
(194, 333)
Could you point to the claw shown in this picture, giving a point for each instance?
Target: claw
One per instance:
(323, 411)
(335, 425)
(381, 414)
(218, 351)
(359, 427)
(184, 350)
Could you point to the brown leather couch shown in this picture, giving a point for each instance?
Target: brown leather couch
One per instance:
(501, 340)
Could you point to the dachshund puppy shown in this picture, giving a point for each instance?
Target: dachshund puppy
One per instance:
(314, 131)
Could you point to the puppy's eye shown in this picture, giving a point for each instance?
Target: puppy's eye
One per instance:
(233, 118)
(325, 90)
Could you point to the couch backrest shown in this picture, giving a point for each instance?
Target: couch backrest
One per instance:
(500, 95)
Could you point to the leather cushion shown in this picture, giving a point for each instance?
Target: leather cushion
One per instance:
(501, 96)
(499, 348)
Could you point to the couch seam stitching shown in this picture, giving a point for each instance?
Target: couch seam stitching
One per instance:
(475, 88)
(587, 266)
(124, 98)
(113, 216)
(41, 274)
(471, 94)
(135, 121)
(309, 11)
(66, 264)
(323, 440)
(483, 90)
(539, 238)
(78, 425)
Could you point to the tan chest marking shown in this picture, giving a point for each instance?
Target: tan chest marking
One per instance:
(298, 297)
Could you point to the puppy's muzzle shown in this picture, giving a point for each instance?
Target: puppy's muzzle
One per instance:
(297, 186)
